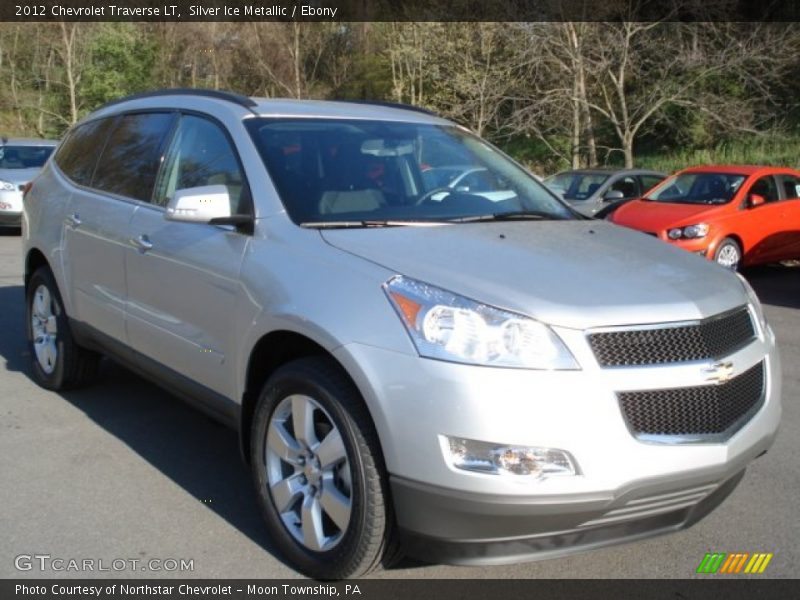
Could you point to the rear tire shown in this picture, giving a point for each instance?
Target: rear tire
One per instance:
(57, 361)
(728, 254)
(319, 473)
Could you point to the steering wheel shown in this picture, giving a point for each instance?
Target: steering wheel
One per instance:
(428, 195)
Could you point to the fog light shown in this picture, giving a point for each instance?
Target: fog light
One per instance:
(499, 459)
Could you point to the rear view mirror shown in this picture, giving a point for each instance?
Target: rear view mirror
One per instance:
(199, 204)
(754, 200)
(612, 195)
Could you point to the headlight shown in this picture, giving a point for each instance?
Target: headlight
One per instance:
(754, 302)
(6, 186)
(689, 232)
(446, 326)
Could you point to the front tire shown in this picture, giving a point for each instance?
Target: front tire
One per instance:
(58, 362)
(728, 254)
(318, 471)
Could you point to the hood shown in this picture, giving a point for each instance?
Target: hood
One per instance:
(575, 274)
(647, 215)
(19, 176)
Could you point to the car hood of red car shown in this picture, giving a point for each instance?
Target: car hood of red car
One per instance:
(648, 215)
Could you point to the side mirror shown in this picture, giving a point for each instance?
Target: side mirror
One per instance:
(754, 200)
(613, 195)
(199, 204)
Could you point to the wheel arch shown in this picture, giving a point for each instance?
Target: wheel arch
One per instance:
(270, 352)
(34, 260)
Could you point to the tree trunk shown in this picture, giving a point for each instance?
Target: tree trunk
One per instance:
(72, 88)
(576, 128)
(627, 148)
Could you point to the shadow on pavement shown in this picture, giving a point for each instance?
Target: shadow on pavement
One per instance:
(776, 284)
(12, 328)
(194, 451)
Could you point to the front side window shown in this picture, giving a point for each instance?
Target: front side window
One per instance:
(132, 155)
(335, 170)
(767, 188)
(576, 186)
(200, 155)
(626, 185)
(698, 188)
(77, 156)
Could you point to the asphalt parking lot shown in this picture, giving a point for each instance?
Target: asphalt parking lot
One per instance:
(123, 470)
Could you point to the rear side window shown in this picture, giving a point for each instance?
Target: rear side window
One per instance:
(77, 156)
(132, 155)
(791, 186)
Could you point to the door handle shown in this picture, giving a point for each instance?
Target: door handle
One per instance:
(143, 243)
(73, 220)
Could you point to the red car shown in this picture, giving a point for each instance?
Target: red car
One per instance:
(734, 215)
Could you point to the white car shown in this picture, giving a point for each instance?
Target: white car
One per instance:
(20, 161)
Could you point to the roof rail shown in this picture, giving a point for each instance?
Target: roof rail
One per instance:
(399, 105)
(218, 94)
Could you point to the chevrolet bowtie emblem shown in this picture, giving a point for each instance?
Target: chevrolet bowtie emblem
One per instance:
(720, 372)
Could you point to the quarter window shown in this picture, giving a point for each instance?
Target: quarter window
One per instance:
(132, 155)
(199, 155)
(77, 156)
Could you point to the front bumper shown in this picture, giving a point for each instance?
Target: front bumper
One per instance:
(626, 488)
(449, 527)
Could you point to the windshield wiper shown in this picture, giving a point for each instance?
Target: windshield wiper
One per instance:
(521, 215)
(366, 223)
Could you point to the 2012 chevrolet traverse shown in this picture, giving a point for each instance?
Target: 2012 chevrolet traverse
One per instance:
(467, 375)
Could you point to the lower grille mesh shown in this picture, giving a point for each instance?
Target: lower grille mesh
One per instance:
(703, 410)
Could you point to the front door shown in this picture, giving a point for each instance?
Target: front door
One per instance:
(183, 278)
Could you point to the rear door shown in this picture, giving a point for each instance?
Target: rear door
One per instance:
(95, 229)
(183, 278)
(788, 247)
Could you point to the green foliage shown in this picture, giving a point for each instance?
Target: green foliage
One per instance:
(121, 61)
(768, 150)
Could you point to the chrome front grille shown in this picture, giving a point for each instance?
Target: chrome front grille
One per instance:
(710, 338)
(703, 412)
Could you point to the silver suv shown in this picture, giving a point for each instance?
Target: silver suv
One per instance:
(466, 376)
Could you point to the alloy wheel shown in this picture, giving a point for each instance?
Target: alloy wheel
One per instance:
(308, 473)
(45, 329)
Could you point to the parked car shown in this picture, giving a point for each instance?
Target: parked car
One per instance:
(20, 161)
(474, 180)
(734, 215)
(449, 377)
(599, 192)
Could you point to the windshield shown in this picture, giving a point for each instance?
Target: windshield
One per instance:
(331, 171)
(576, 186)
(698, 188)
(24, 157)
